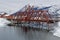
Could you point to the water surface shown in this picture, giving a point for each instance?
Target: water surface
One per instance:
(18, 33)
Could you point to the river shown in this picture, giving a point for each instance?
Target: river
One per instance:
(18, 33)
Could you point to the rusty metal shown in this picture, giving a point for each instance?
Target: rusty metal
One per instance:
(31, 15)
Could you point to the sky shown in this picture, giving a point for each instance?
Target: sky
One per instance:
(11, 6)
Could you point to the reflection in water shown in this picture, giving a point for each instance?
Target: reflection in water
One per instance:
(36, 35)
(19, 33)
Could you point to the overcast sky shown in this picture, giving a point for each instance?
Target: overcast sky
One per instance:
(14, 5)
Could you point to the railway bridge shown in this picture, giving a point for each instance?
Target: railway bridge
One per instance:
(32, 14)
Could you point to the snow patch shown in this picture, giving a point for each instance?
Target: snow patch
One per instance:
(3, 22)
(57, 30)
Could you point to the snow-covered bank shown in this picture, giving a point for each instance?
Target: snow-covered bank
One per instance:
(3, 22)
(57, 30)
